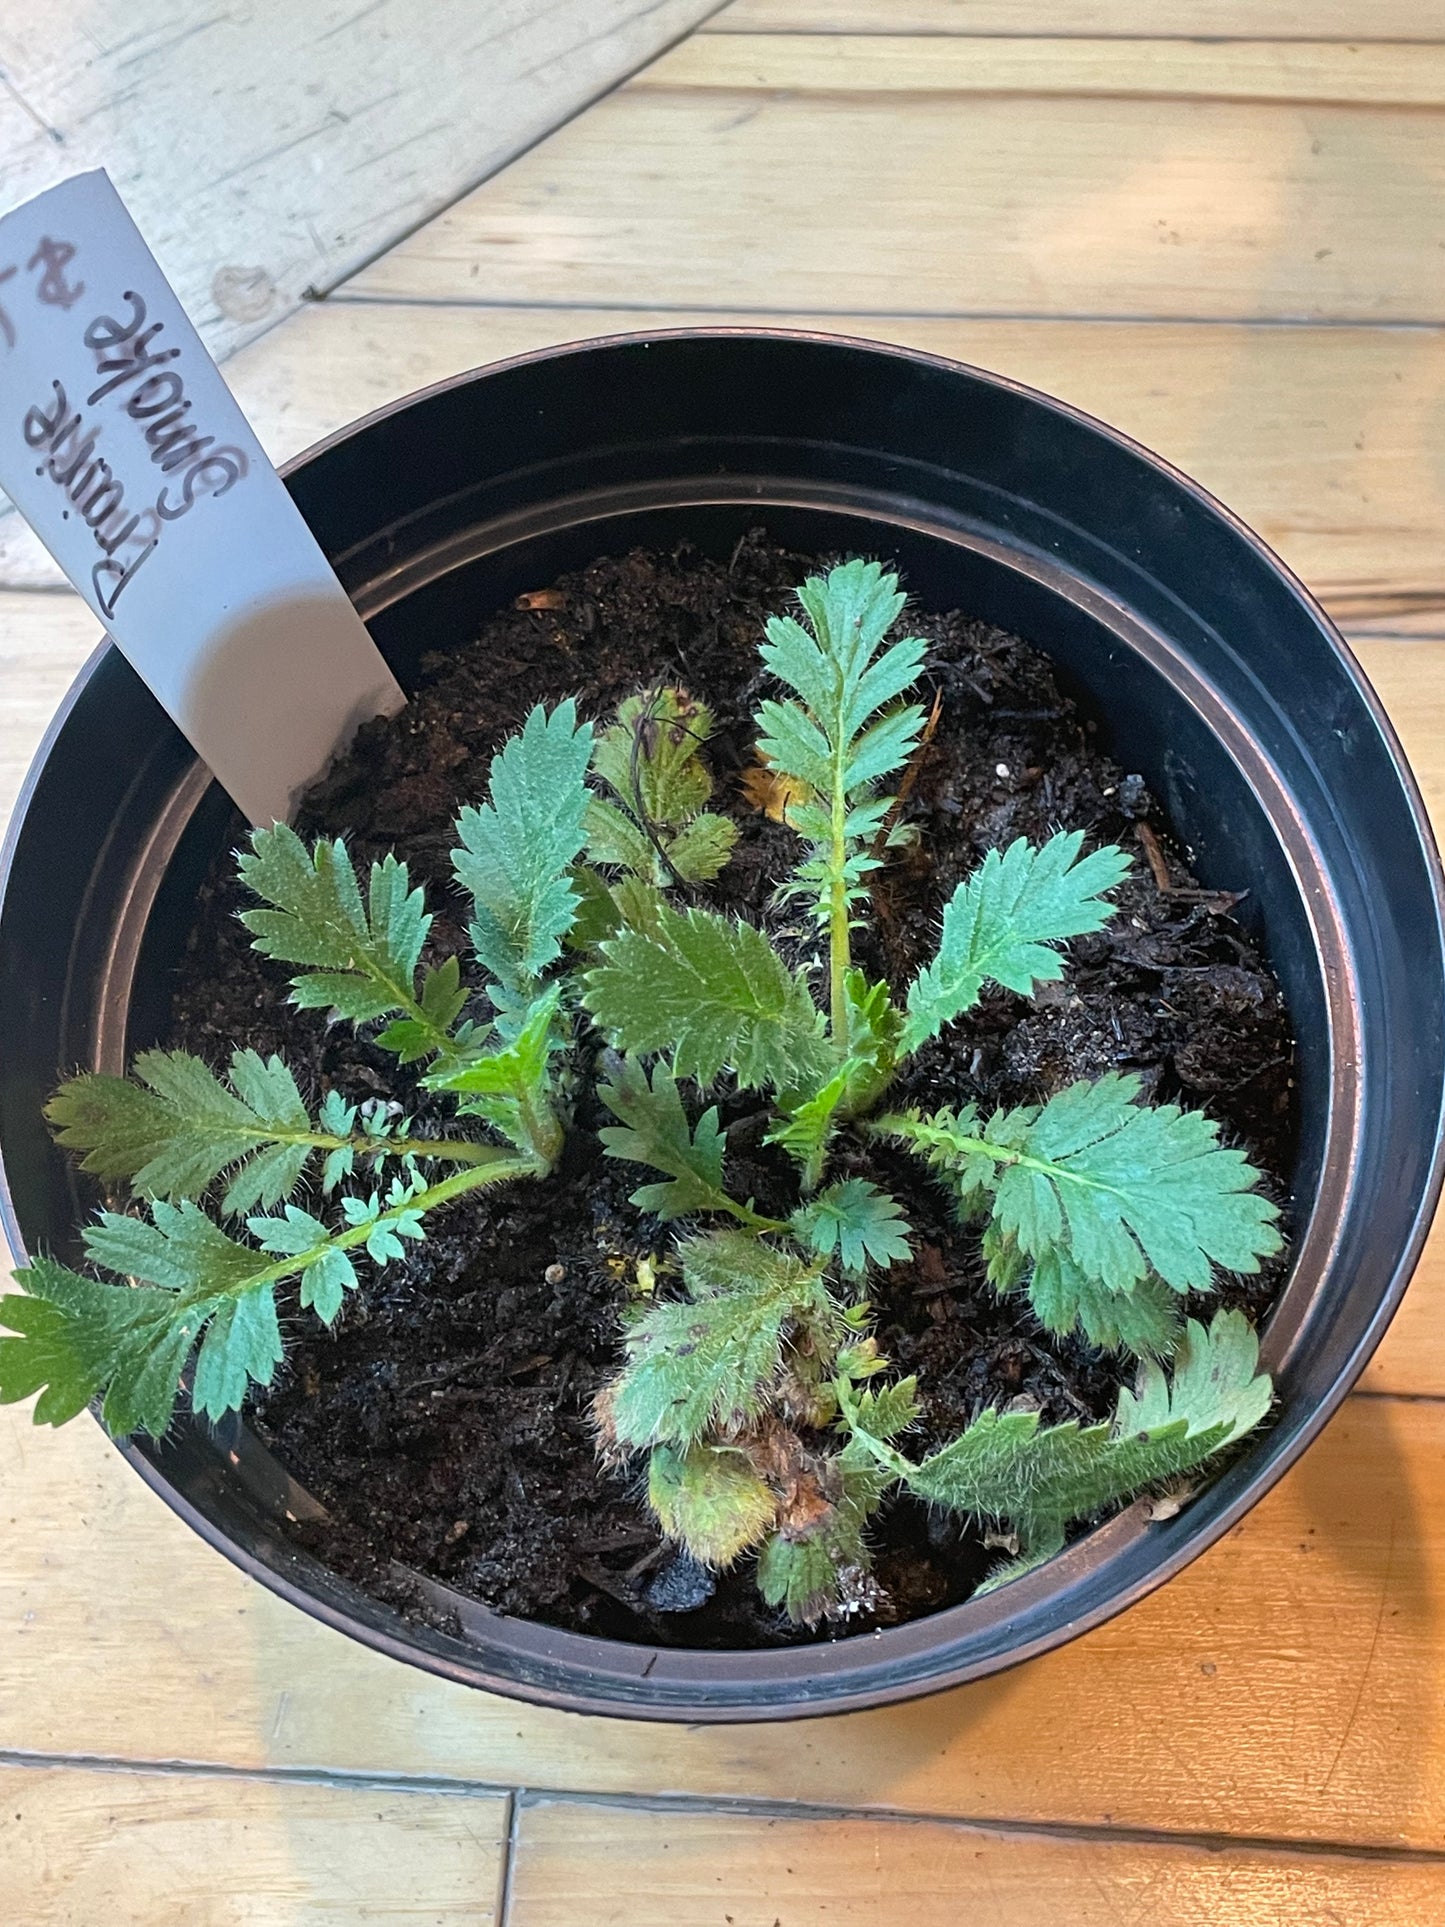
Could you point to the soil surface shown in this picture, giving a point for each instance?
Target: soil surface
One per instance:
(444, 1421)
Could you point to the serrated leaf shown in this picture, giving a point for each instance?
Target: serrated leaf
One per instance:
(509, 1087)
(1124, 1186)
(711, 1499)
(615, 840)
(325, 1284)
(177, 1127)
(1147, 1319)
(76, 1338)
(654, 1130)
(845, 732)
(1006, 1466)
(516, 852)
(1002, 925)
(702, 847)
(858, 1221)
(651, 756)
(242, 1346)
(710, 1360)
(716, 995)
(808, 1128)
(361, 956)
(1119, 1188)
(884, 1411)
(80, 1338)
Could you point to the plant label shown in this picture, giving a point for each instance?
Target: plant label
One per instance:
(126, 452)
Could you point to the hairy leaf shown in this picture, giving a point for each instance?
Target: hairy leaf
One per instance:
(716, 994)
(859, 1222)
(654, 1130)
(361, 957)
(81, 1338)
(509, 1086)
(846, 731)
(76, 1338)
(1006, 1466)
(824, 1570)
(172, 1132)
(518, 849)
(807, 1129)
(651, 759)
(1147, 1319)
(1117, 1187)
(710, 1360)
(1001, 926)
(711, 1498)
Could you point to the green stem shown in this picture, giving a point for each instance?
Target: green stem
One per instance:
(839, 957)
(915, 1131)
(499, 1166)
(449, 1150)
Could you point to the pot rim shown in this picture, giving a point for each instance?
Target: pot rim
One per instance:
(868, 1686)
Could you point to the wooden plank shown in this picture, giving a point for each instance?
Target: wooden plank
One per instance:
(1322, 439)
(1254, 19)
(962, 204)
(170, 1850)
(271, 149)
(1291, 1684)
(1377, 73)
(43, 641)
(266, 152)
(616, 1867)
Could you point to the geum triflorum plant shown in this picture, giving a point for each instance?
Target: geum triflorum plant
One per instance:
(753, 1390)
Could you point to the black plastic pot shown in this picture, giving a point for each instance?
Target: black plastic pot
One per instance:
(1208, 666)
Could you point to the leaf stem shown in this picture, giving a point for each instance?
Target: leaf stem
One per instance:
(839, 957)
(499, 1166)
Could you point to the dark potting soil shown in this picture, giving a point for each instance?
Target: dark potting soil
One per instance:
(444, 1422)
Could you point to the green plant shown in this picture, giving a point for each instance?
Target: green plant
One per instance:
(755, 1391)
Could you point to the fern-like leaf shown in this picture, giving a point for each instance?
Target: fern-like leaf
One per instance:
(1119, 1188)
(844, 734)
(517, 850)
(360, 956)
(713, 992)
(859, 1222)
(1002, 925)
(174, 1127)
(709, 1361)
(77, 1338)
(1007, 1467)
(653, 1130)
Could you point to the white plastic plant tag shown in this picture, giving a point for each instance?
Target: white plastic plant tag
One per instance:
(126, 452)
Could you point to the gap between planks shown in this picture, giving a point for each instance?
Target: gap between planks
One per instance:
(731, 1806)
(1321, 73)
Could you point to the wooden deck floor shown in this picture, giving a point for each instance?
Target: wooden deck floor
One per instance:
(1235, 250)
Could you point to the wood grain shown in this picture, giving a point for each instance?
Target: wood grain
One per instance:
(269, 149)
(1374, 73)
(620, 1868)
(1325, 441)
(160, 1850)
(1290, 1684)
(964, 204)
(1249, 19)
(43, 641)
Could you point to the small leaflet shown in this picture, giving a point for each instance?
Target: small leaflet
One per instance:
(124, 449)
